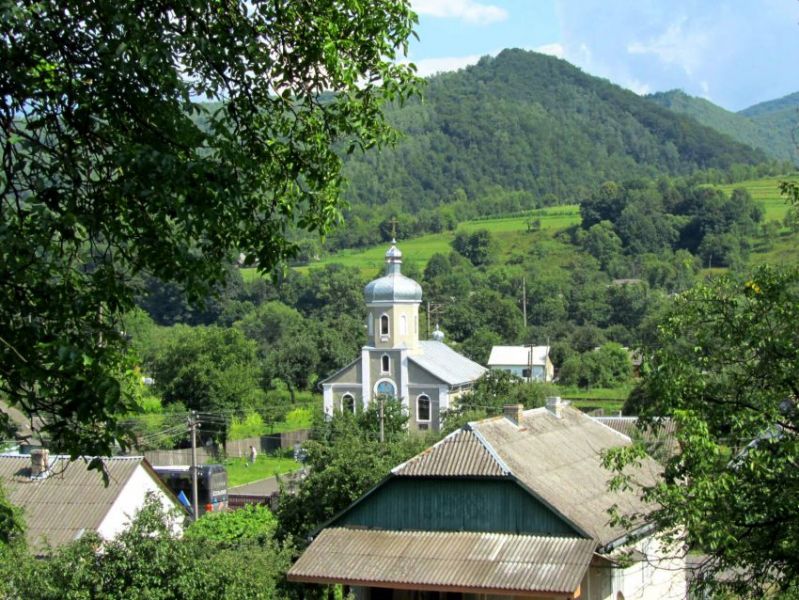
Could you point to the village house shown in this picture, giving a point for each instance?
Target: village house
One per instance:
(425, 375)
(62, 500)
(530, 363)
(511, 506)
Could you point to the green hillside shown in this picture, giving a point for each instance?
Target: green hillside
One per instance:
(766, 126)
(529, 124)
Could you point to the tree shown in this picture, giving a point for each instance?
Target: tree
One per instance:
(477, 246)
(147, 560)
(111, 167)
(727, 370)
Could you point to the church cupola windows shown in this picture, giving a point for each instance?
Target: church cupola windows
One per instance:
(385, 363)
(348, 403)
(403, 325)
(370, 324)
(384, 325)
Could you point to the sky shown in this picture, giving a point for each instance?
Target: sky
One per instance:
(735, 53)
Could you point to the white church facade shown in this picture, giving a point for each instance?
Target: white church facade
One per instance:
(425, 375)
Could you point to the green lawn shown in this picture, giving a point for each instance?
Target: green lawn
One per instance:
(610, 400)
(240, 471)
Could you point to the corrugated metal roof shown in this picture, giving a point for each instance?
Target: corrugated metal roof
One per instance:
(66, 502)
(442, 361)
(461, 453)
(559, 460)
(453, 561)
(518, 355)
(661, 439)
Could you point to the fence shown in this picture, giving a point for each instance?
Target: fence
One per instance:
(266, 443)
(168, 458)
(234, 448)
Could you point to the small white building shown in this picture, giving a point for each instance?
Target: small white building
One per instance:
(530, 363)
(62, 500)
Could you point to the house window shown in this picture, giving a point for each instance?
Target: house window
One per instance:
(384, 325)
(403, 328)
(423, 408)
(386, 387)
(348, 403)
(385, 363)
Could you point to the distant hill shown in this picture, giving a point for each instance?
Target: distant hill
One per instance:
(767, 126)
(791, 101)
(528, 123)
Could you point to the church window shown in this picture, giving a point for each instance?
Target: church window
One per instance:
(385, 363)
(384, 325)
(370, 323)
(416, 324)
(348, 403)
(423, 408)
(386, 388)
(403, 328)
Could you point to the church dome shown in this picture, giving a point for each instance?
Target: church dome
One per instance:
(393, 287)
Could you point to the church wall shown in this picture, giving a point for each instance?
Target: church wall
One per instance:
(414, 391)
(351, 374)
(396, 337)
(353, 390)
(418, 375)
(376, 369)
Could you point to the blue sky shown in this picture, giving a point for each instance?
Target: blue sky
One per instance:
(735, 53)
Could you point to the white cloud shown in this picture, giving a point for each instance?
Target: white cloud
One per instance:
(554, 49)
(465, 10)
(431, 66)
(674, 46)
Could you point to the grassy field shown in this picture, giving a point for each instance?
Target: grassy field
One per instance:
(240, 471)
(370, 260)
(767, 192)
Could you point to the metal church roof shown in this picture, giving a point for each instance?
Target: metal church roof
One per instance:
(446, 561)
(442, 361)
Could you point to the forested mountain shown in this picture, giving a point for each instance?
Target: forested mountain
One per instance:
(530, 124)
(768, 126)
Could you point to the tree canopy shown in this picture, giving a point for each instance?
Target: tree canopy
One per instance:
(727, 370)
(112, 168)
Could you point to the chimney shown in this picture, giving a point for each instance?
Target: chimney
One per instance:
(555, 406)
(513, 412)
(39, 461)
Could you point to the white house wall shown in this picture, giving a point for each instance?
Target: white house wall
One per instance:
(130, 500)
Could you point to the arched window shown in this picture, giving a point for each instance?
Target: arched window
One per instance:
(416, 324)
(347, 403)
(423, 408)
(370, 324)
(386, 388)
(403, 328)
(385, 363)
(384, 325)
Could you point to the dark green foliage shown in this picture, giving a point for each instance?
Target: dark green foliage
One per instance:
(345, 460)
(605, 367)
(112, 169)
(477, 246)
(766, 126)
(726, 370)
(147, 561)
(509, 131)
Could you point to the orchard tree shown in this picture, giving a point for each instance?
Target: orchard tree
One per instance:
(112, 167)
(727, 371)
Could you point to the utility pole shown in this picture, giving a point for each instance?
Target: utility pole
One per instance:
(524, 300)
(195, 501)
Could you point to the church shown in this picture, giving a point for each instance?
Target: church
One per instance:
(427, 376)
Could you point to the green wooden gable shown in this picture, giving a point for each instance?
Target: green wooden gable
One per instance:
(498, 505)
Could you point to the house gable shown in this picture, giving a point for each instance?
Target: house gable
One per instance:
(496, 505)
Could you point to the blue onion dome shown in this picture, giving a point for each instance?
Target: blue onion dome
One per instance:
(393, 287)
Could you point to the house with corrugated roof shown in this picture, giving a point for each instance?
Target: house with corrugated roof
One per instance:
(511, 506)
(531, 363)
(426, 376)
(62, 500)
